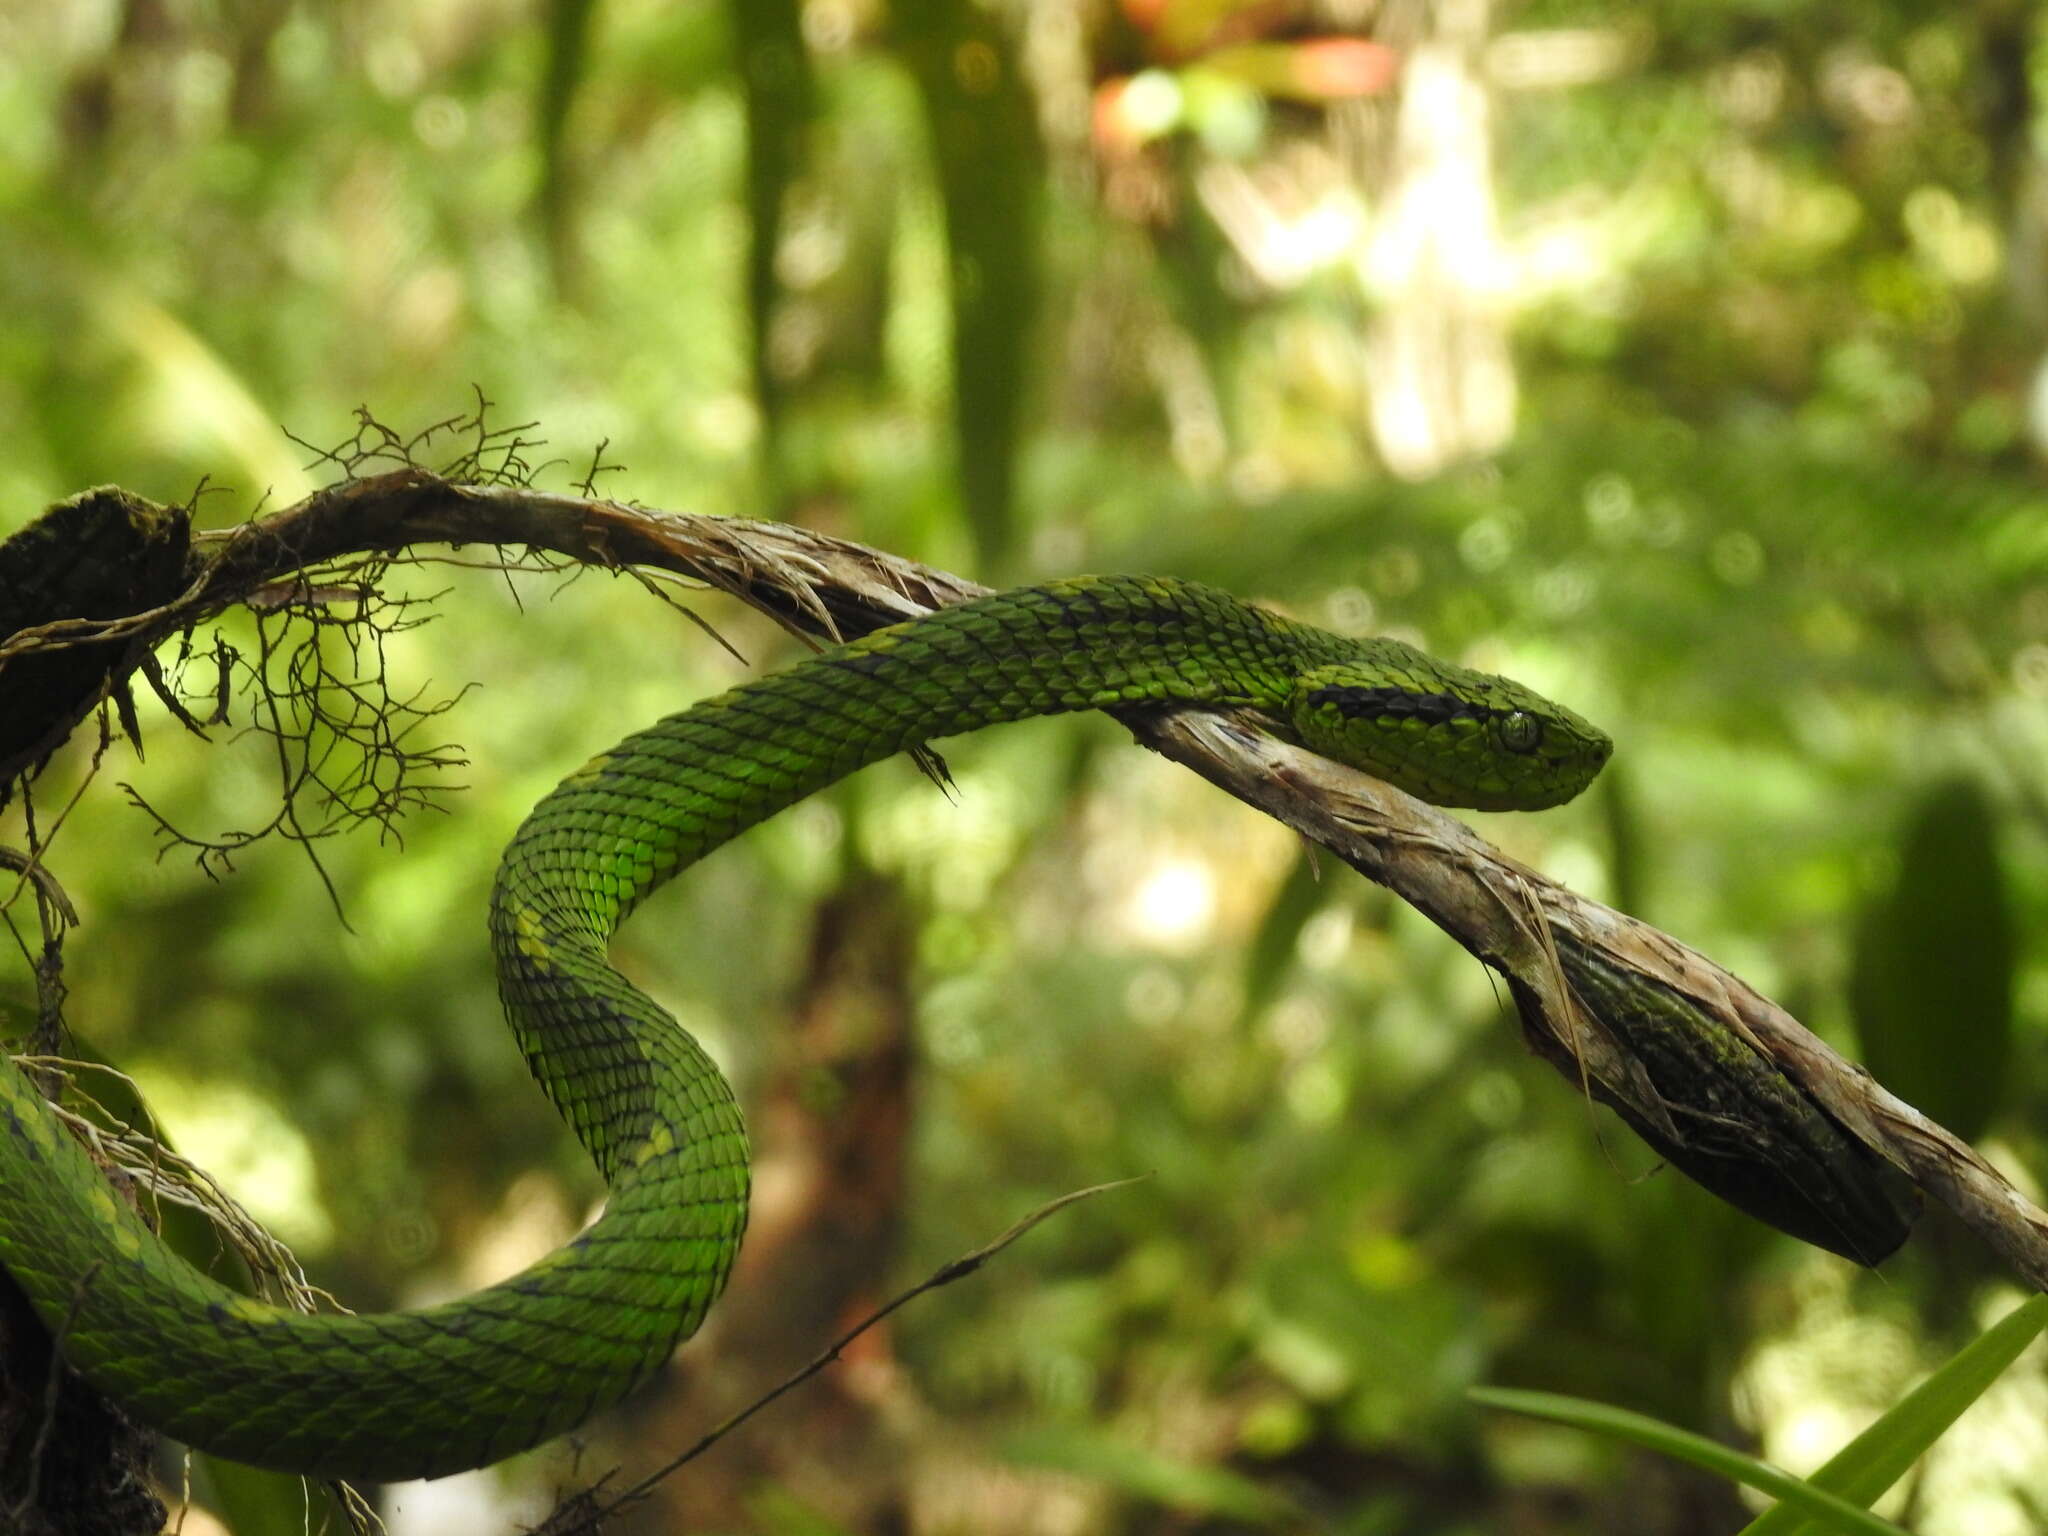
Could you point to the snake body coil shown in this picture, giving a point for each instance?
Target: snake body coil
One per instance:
(424, 1393)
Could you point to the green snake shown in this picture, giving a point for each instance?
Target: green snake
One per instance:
(385, 1396)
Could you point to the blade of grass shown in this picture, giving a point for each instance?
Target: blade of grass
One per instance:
(1868, 1465)
(1653, 1434)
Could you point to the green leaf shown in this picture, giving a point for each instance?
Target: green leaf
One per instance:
(1933, 976)
(1834, 1512)
(1271, 955)
(1864, 1468)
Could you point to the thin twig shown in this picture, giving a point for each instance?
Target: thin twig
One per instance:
(581, 1515)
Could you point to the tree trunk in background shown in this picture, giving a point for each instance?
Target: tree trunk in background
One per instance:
(71, 1463)
(831, 1132)
(1437, 367)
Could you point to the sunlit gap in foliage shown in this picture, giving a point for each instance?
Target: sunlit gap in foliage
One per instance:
(245, 1141)
(1837, 1364)
(1172, 906)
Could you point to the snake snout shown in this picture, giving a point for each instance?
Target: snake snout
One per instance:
(1577, 752)
(1448, 735)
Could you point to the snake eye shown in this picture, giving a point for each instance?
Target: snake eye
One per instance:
(1521, 731)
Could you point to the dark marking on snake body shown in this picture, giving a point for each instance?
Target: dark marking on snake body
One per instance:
(1400, 703)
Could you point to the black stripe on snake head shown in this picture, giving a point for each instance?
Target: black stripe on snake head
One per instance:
(1400, 704)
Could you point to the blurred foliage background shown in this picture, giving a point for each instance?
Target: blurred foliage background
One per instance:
(1686, 361)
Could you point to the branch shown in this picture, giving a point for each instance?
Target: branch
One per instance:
(1722, 1080)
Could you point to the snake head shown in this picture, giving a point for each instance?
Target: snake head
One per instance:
(1451, 736)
